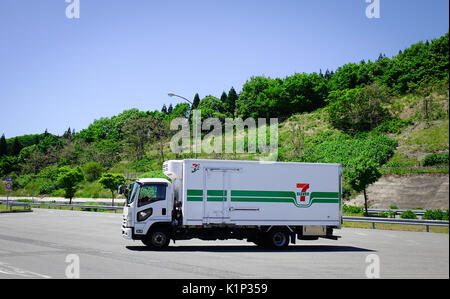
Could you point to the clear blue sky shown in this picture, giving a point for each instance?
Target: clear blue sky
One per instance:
(57, 72)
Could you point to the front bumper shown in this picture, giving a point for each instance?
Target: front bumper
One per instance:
(127, 233)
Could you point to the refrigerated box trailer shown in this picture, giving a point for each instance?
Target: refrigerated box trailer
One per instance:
(269, 203)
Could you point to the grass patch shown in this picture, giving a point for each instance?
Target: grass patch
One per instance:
(4, 208)
(431, 139)
(399, 227)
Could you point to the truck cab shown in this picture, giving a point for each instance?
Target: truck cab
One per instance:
(149, 201)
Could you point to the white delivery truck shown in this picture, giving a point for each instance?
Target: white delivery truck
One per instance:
(268, 203)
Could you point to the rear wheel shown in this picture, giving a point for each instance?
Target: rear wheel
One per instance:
(157, 239)
(277, 239)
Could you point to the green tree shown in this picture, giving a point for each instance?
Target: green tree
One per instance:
(180, 110)
(230, 104)
(112, 181)
(359, 109)
(17, 146)
(92, 171)
(158, 133)
(211, 107)
(363, 173)
(196, 101)
(223, 98)
(69, 179)
(164, 109)
(137, 134)
(3, 146)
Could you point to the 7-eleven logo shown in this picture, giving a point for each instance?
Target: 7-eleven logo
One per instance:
(302, 193)
(195, 167)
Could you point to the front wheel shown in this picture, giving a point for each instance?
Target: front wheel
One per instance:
(157, 239)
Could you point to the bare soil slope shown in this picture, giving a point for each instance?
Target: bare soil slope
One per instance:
(408, 191)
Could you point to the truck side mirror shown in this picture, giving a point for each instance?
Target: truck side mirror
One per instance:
(120, 189)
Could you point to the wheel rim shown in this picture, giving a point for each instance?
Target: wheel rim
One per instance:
(159, 239)
(279, 239)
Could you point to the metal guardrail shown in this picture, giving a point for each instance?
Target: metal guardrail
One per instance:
(396, 211)
(374, 220)
(72, 206)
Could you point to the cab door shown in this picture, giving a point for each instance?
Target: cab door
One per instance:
(151, 204)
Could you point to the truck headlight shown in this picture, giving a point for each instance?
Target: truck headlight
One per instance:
(144, 214)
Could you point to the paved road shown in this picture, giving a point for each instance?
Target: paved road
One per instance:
(36, 245)
(106, 201)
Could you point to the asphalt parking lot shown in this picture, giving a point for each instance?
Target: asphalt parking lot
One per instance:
(50, 243)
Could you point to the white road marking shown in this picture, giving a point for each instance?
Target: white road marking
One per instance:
(361, 234)
(11, 270)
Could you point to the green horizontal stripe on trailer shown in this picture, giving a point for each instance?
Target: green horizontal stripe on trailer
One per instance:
(281, 194)
(216, 198)
(195, 192)
(195, 198)
(263, 196)
(216, 192)
(262, 193)
(200, 198)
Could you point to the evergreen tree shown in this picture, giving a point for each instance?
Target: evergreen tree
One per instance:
(231, 101)
(68, 133)
(196, 101)
(223, 97)
(164, 109)
(3, 146)
(170, 109)
(36, 139)
(17, 147)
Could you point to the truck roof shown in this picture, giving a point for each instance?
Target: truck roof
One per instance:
(260, 162)
(152, 180)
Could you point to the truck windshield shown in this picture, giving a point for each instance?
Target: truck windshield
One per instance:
(133, 193)
(151, 192)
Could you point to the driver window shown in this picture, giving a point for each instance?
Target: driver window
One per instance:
(151, 193)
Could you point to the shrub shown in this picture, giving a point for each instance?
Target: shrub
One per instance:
(352, 209)
(383, 214)
(445, 215)
(393, 207)
(435, 159)
(408, 215)
(433, 215)
(393, 126)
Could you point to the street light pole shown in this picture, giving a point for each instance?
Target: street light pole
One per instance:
(196, 129)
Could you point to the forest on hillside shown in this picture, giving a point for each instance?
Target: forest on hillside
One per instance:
(356, 100)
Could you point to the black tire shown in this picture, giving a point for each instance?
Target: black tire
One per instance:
(277, 239)
(157, 239)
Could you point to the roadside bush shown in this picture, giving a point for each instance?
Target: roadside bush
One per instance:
(445, 215)
(408, 215)
(433, 215)
(435, 159)
(352, 209)
(388, 214)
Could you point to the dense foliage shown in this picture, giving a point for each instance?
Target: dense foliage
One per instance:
(355, 98)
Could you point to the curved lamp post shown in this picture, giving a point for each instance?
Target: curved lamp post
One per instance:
(196, 129)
